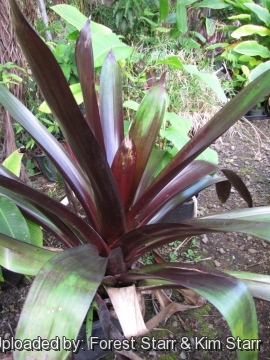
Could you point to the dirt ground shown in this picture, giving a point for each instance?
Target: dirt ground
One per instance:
(245, 149)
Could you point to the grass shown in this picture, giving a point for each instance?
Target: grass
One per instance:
(188, 95)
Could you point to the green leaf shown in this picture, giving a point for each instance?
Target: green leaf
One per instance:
(103, 39)
(77, 93)
(144, 129)
(13, 162)
(74, 17)
(259, 70)
(210, 26)
(209, 155)
(181, 123)
(173, 61)
(253, 221)
(181, 18)
(163, 9)
(262, 13)
(12, 222)
(51, 309)
(250, 29)
(240, 17)
(210, 79)
(258, 284)
(252, 48)
(36, 234)
(211, 4)
(21, 257)
(130, 104)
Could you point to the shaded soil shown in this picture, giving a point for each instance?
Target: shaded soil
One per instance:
(246, 151)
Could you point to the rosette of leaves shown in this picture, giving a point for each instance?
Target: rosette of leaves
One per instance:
(111, 175)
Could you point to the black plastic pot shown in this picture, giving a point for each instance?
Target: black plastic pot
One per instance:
(11, 279)
(256, 114)
(96, 352)
(46, 166)
(183, 212)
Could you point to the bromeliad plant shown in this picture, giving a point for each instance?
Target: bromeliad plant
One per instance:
(111, 176)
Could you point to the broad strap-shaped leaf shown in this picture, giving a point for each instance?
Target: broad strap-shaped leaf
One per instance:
(258, 284)
(228, 294)
(253, 221)
(44, 218)
(71, 173)
(183, 180)
(148, 237)
(78, 225)
(111, 106)
(213, 129)
(151, 166)
(85, 65)
(185, 195)
(83, 143)
(68, 279)
(144, 129)
(21, 257)
(123, 168)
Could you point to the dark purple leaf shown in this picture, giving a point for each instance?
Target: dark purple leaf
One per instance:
(238, 184)
(44, 218)
(85, 65)
(123, 168)
(50, 205)
(228, 294)
(154, 160)
(187, 177)
(184, 196)
(71, 173)
(76, 131)
(221, 122)
(223, 190)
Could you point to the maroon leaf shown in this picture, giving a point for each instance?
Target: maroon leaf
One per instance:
(76, 131)
(238, 184)
(87, 233)
(184, 179)
(85, 65)
(223, 190)
(153, 162)
(123, 168)
(221, 122)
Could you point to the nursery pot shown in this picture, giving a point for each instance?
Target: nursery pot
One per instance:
(255, 114)
(182, 212)
(97, 352)
(11, 279)
(46, 166)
